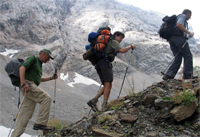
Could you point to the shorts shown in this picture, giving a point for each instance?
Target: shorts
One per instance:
(104, 70)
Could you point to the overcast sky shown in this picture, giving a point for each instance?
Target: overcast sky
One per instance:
(170, 7)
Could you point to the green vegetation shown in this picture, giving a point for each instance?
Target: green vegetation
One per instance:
(184, 97)
(170, 130)
(101, 120)
(140, 94)
(120, 104)
(131, 90)
(166, 98)
(117, 106)
(99, 112)
(186, 124)
(57, 124)
(105, 127)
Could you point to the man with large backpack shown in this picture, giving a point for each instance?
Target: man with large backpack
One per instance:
(180, 48)
(33, 94)
(104, 69)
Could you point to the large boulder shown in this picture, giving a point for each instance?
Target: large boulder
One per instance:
(182, 112)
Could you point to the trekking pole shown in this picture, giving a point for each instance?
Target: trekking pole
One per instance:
(125, 73)
(163, 73)
(16, 115)
(54, 100)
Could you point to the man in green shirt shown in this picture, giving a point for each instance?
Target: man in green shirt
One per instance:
(104, 69)
(30, 80)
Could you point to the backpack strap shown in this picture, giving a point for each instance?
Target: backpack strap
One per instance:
(19, 99)
(33, 63)
(34, 60)
(106, 57)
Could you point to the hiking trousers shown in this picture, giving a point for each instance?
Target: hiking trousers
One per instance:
(35, 95)
(176, 43)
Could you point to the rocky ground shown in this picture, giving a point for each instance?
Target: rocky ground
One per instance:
(168, 108)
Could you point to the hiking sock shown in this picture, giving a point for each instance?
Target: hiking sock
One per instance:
(105, 101)
(95, 99)
(104, 105)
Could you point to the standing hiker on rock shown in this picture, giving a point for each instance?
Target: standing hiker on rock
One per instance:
(180, 48)
(104, 69)
(33, 94)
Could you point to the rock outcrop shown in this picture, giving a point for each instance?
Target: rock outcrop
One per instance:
(172, 112)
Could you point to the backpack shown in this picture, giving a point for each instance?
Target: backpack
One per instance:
(168, 28)
(98, 43)
(12, 69)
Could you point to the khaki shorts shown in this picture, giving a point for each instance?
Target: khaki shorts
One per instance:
(104, 70)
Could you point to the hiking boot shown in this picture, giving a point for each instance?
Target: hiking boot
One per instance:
(92, 105)
(104, 107)
(166, 77)
(42, 127)
(194, 77)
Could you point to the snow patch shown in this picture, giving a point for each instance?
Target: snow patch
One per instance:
(78, 79)
(196, 61)
(5, 131)
(9, 52)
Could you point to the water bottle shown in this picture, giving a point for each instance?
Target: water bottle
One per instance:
(87, 47)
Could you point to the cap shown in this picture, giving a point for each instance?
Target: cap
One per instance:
(48, 52)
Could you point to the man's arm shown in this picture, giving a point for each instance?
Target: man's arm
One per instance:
(22, 71)
(55, 76)
(123, 50)
(181, 27)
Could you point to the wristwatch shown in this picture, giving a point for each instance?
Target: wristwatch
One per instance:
(132, 47)
(23, 85)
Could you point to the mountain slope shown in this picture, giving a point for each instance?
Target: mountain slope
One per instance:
(63, 26)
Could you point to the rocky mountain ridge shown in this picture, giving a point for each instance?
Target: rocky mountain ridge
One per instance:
(168, 108)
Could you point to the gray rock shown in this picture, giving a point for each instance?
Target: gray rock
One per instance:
(187, 132)
(151, 134)
(162, 103)
(128, 118)
(161, 134)
(182, 112)
(149, 99)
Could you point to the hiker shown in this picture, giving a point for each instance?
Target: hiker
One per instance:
(34, 94)
(104, 69)
(176, 44)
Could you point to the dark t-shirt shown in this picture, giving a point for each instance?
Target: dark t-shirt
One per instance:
(112, 49)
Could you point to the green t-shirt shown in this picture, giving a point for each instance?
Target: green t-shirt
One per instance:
(35, 72)
(112, 49)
